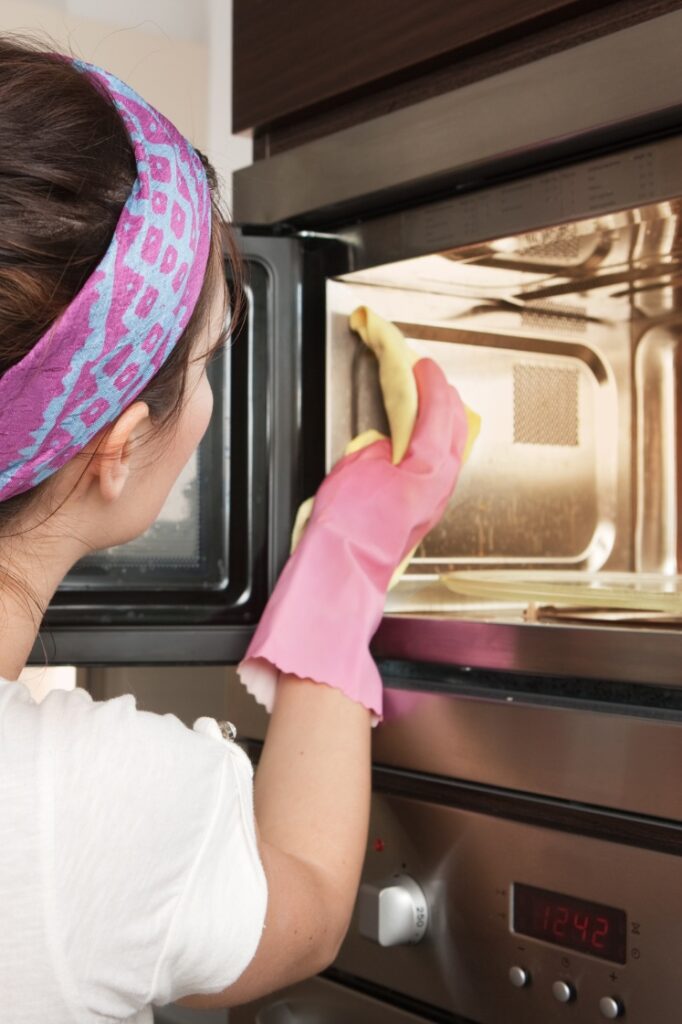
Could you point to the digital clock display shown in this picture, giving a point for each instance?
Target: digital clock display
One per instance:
(567, 921)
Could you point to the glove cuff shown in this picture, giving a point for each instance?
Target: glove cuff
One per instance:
(317, 625)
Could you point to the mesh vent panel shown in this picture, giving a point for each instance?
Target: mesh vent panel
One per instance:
(545, 405)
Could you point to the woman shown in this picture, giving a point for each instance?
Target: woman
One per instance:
(132, 871)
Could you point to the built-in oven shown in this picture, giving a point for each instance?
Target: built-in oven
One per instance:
(524, 231)
(524, 856)
(551, 299)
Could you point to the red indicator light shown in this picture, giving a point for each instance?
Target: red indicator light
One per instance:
(379, 845)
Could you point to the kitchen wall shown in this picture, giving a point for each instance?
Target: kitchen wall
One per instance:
(178, 54)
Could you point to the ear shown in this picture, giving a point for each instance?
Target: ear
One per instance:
(111, 461)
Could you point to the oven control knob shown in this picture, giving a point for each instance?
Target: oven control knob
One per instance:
(393, 912)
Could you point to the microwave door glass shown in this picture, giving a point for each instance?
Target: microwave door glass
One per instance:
(187, 546)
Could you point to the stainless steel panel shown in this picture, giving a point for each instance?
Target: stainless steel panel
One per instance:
(596, 92)
(599, 757)
(589, 756)
(320, 1002)
(545, 204)
(467, 864)
(501, 640)
(541, 486)
(658, 515)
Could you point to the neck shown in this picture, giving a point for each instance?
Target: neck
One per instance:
(28, 580)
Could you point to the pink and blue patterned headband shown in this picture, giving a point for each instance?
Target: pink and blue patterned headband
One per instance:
(123, 324)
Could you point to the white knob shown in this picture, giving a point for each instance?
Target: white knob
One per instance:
(563, 992)
(519, 977)
(394, 912)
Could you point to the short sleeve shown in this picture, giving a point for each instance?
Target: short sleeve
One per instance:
(228, 877)
(158, 887)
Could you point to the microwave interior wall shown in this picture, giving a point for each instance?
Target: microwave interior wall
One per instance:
(566, 341)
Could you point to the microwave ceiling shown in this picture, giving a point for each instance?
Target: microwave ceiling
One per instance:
(604, 269)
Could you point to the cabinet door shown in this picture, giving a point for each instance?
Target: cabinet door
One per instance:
(297, 57)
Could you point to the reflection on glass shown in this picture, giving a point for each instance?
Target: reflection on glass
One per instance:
(174, 538)
(187, 545)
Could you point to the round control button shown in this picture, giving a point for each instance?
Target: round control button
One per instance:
(610, 1008)
(562, 991)
(519, 977)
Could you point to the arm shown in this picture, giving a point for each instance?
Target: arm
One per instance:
(312, 789)
(312, 806)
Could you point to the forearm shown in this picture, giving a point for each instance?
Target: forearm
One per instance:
(312, 786)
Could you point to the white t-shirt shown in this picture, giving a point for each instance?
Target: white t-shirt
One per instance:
(129, 871)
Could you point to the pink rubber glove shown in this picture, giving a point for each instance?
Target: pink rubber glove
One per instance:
(368, 514)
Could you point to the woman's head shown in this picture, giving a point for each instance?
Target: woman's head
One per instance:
(67, 169)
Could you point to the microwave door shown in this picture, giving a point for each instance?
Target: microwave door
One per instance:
(191, 589)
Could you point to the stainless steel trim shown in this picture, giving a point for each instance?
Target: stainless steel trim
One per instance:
(599, 757)
(648, 656)
(598, 92)
(140, 645)
(642, 175)
(602, 758)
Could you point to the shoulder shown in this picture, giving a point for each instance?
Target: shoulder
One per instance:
(116, 741)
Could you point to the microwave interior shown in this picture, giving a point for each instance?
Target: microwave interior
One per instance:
(566, 341)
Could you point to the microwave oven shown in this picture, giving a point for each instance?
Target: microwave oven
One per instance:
(522, 230)
(525, 232)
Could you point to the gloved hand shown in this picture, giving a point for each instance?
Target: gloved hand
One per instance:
(368, 514)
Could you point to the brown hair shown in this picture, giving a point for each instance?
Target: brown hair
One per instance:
(66, 170)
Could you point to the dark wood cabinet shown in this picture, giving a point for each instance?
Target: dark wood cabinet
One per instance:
(296, 60)
(303, 68)
(293, 56)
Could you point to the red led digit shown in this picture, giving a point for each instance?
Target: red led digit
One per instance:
(568, 921)
(600, 932)
(581, 923)
(560, 922)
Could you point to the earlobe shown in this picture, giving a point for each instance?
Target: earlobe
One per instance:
(112, 479)
(111, 462)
